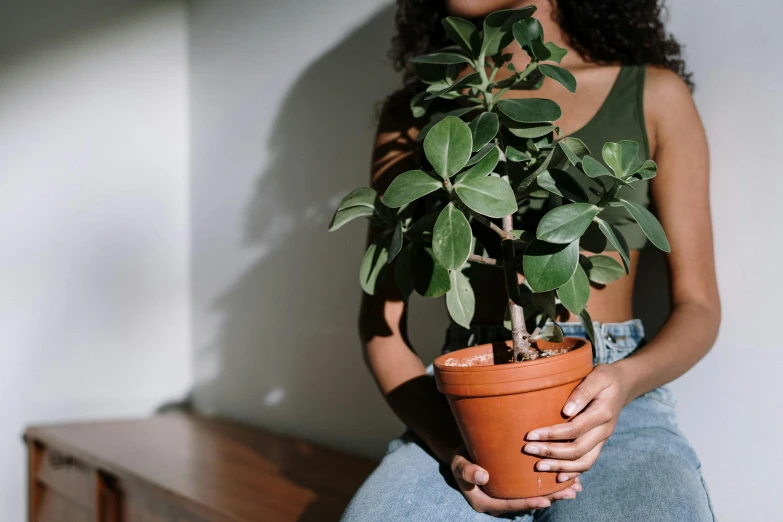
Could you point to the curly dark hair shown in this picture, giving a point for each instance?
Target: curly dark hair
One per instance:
(630, 32)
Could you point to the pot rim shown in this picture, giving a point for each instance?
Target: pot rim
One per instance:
(438, 363)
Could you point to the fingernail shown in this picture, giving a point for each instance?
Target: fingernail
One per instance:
(569, 496)
(533, 436)
(561, 478)
(541, 466)
(570, 409)
(544, 503)
(530, 448)
(481, 477)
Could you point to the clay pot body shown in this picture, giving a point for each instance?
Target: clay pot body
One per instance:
(497, 405)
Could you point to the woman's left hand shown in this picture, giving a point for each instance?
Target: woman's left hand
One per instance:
(594, 405)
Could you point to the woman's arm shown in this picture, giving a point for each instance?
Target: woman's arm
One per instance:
(398, 371)
(681, 193)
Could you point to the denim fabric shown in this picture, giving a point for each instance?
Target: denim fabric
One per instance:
(646, 471)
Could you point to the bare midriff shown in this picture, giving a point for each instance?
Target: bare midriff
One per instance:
(612, 303)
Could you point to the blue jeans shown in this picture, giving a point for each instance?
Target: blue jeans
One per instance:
(646, 471)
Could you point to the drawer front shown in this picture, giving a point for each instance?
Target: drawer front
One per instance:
(69, 477)
(54, 507)
(144, 503)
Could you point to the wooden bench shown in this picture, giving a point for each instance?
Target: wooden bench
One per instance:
(184, 468)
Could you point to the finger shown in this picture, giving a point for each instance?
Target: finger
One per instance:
(467, 471)
(563, 477)
(585, 392)
(568, 493)
(569, 450)
(499, 506)
(571, 466)
(595, 415)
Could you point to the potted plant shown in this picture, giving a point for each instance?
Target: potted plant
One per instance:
(489, 157)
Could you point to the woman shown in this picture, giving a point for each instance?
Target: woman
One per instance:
(622, 442)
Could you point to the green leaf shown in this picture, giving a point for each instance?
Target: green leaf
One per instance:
(441, 58)
(373, 267)
(463, 33)
(483, 128)
(648, 170)
(420, 104)
(430, 278)
(490, 196)
(593, 168)
(409, 186)
(587, 323)
(516, 156)
(560, 75)
(575, 293)
(481, 154)
(470, 80)
(649, 224)
(566, 223)
(451, 238)
(484, 167)
(574, 149)
(525, 31)
(593, 240)
(560, 182)
(360, 202)
(497, 28)
(552, 333)
(544, 142)
(618, 242)
(603, 269)
(548, 266)
(395, 244)
(532, 130)
(622, 157)
(556, 53)
(434, 74)
(544, 302)
(402, 272)
(530, 36)
(437, 118)
(460, 300)
(448, 145)
(530, 110)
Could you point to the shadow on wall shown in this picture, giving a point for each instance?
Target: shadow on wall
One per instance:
(287, 353)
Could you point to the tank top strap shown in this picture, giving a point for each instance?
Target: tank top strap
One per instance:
(625, 106)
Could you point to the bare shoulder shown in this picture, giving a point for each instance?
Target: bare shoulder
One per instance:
(668, 106)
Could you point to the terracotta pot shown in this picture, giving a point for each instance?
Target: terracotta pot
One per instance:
(497, 405)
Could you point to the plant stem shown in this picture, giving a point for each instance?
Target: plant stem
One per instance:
(484, 221)
(519, 336)
(482, 260)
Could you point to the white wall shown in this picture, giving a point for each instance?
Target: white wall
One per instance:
(94, 297)
(728, 403)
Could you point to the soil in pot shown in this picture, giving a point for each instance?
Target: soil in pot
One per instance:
(496, 405)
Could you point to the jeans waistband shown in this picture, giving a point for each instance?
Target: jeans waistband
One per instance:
(613, 340)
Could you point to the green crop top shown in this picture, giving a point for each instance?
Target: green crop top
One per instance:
(621, 117)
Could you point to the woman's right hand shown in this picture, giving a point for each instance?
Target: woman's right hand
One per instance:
(470, 476)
